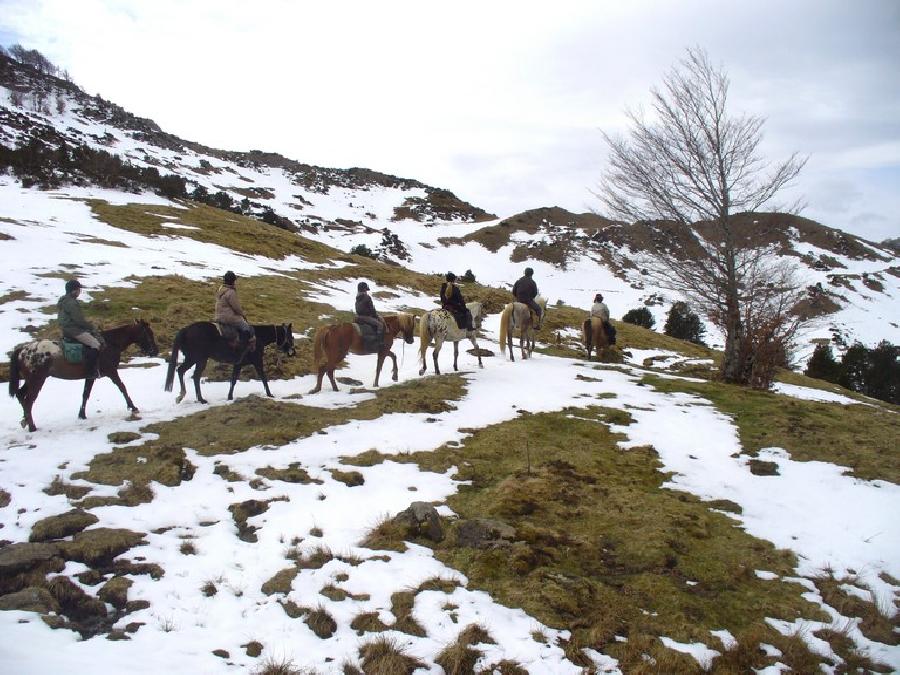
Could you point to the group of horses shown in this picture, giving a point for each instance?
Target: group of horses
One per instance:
(35, 361)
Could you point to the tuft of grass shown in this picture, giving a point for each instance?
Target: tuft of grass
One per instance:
(386, 535)
(368, 622)
(385, 656)
(209, 588)
(875, 623)
(348, 478)
(187, 548)
(274, 666)
(321, 622)
(281, 582)
(294, 473)
(59, 487)
(459, 657)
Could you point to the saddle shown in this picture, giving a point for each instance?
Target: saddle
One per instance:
(73, 350)
(229, 333)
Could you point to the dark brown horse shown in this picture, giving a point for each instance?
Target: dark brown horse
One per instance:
(202, 341)
(594, 335)
(332, 343)
(36, 361)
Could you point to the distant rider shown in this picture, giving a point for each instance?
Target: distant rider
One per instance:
(599, 310)
(525, 291)
(230, 315)
(365, 312)
(75, 327)
(452, 300)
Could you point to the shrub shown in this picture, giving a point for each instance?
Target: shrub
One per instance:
(362, 249)
(639, 317)
(683, 324)
(823, 365)
(468, 277)
(873, 372)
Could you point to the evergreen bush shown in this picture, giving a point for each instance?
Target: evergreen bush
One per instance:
(639, 317)
(683, 324)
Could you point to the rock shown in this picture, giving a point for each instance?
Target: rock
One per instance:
(221, 653)
(483, 533)
(63, 525)
(25, 556)
(115, 592)
(30, 600)
(421, 519)
(253, 649)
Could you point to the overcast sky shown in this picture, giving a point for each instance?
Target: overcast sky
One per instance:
(500, 102)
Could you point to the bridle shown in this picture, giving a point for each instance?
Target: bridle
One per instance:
(282, 344)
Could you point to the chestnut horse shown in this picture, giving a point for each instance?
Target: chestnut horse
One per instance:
(594, 335)
(332, 343)
(36, 361)
(518, 316)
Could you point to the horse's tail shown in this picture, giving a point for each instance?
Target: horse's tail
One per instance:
(173, 359)
(14, 372)
(504, 326)
(424, 336)
(320, 356)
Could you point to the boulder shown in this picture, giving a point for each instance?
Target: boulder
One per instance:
(421, 519)
(26, 556)
(483, 533)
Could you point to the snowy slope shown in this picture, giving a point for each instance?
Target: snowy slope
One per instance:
(832, 521)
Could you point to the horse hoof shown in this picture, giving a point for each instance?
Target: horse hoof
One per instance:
(82, 416)
(133, 415)
(394, 378)
(203, 401)
(179, 399)
(421, 372)
(24, 424)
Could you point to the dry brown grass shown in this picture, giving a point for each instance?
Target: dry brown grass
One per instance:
(384, 656)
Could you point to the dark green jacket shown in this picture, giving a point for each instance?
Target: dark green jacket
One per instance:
(71, 319)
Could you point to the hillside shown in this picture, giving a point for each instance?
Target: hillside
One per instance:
(627, 516)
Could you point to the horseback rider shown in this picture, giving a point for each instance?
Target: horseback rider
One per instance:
(75, 327)
(365, 312)
(452, 300)
(230, 316)
(525, 291)
(599, 310)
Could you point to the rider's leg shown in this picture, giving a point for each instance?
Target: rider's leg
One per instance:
(91, 354)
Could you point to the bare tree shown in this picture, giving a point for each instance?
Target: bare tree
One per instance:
(693, 161)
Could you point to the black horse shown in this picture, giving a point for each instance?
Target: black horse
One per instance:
(36, 361)
(202, 341)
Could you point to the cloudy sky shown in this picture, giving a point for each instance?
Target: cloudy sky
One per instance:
(500, 102)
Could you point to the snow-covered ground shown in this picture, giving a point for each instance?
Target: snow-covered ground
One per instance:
(832, 521)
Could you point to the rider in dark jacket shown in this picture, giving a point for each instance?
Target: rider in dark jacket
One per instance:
(525, 291)
(452, 300)
(365, 311)
(75, 327)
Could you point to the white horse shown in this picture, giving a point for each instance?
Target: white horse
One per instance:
(518, 316)
(440, 325)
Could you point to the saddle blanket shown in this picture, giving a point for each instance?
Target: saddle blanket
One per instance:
(73, 351)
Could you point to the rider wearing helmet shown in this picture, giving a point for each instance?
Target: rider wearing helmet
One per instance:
(365, 312)
(452, 300)
(75, 327)
(230, 315)
(525, 290)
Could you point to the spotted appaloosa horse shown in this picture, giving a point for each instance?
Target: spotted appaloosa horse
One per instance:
(202, 341)
(332, 343)
(440, 325)
(36, 361)
(518, 316)
(594, 336)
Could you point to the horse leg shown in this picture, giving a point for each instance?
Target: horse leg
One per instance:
(319, 376)
(182, 369)
(198, 372)
(331, 379)
(85, 394)
(509, 343)
(434, 355)
(455, 355)
(261, 374)
(394, 374)
(29, 393)
(378, 365)
(114, 376)
(477, 351)
(235, 371)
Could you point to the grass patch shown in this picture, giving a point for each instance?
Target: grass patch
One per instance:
(601, 548)
(385, 656)
(808, 430)
(321, 622)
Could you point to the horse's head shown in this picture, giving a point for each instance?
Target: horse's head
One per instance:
(145, 338)
(407, 325)
(477, 310)
(286, 342)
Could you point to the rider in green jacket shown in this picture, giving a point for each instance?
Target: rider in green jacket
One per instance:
(75, 327)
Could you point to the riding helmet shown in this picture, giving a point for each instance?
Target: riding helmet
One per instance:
(362, 286)
(528, 271)
(72, 284)
(598, 297)
(230, 277)
(450, 276)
